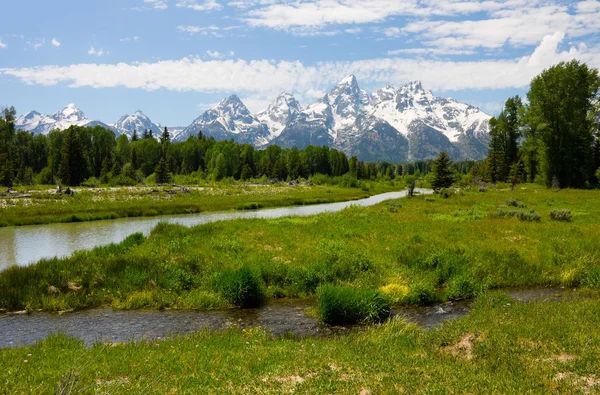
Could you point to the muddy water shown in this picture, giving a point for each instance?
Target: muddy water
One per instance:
(25, 245)
(278, 317)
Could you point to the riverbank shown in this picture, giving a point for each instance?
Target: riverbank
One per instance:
(43, 205)
(419, 251)
(503, 346)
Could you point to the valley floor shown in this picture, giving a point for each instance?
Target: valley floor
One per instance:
(421, 250)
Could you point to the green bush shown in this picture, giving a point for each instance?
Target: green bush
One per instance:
(446, 193)
(249, 206)
(345, 305)
(523, 215)
(512, 202)
(561, 215)
(429, 199)
(394, 206)
(243, 287)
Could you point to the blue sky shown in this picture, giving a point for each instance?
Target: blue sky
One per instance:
(174, 59)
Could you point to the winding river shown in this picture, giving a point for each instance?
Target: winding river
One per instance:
(25, 245)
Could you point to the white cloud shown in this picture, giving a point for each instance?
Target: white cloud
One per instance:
(97, 52)
(219, 55)
(202, 30)
(3, 45)
(200, 5)
(431, 51)
(126, 39)
(266, 78)
(157, 4)
(36, 43)
(55, 42)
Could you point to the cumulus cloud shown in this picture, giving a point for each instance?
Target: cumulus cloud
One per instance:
(3, 45)
(266, 78)
(97, 52)
(200, 5)
(55, 42)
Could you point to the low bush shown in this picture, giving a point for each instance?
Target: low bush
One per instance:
(394, 206)
(561, 215)
(243, 287)
(339, 305)
(512, 202)
(523, 215)
(429, 199)
(446, 193)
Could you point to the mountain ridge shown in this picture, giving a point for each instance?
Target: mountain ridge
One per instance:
(400, 125)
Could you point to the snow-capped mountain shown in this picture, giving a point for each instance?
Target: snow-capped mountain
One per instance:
(391, 124)
(397, 125)
(230, 119)
(277, 115)
(44, 124)
(137, 121)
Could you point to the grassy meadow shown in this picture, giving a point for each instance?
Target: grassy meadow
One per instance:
(357, 263)
(417, 251)
(41, 205)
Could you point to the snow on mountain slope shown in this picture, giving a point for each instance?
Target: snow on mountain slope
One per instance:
(230, 119)
(137, 121)
(65, 118)
(278, 114)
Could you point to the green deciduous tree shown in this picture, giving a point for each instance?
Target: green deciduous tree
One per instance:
(561, 99)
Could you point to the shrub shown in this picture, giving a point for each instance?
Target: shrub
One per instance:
(446, 193)
(394, 206)
(482, 189)
(339, 305)
(561, 215)
(429, 199)
(523, 215)
(243, 287)
(512, 202)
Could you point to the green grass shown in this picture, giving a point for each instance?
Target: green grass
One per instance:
(346, 305)
(91, 204)
(414, 254)
(501, 347)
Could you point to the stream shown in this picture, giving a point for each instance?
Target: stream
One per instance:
(279, 317)
(24, 245)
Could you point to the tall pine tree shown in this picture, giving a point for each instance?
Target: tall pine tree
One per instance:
(443, 175)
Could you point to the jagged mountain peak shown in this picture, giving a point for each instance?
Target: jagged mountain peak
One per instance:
(70, 112)
(413, 86)
(279, 113)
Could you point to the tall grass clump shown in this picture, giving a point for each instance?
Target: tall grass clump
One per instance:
(243, 287)
(421, 294)
(593, 277)
(522, 215)
(561, 215)
(464, 287)
(339, 305)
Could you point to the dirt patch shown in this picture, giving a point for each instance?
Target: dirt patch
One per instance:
(464, 347)
(585, 384)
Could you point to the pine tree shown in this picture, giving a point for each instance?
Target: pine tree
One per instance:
(134, 136)
(201, 135)
(73, 165)
(162, 172)
(165, 137)
(105, 170)
(443, 175)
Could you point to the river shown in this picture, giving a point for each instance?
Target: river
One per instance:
(24, 245)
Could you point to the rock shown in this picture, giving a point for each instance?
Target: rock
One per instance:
(52, 290)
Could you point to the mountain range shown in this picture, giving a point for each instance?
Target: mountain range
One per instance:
(398, 125)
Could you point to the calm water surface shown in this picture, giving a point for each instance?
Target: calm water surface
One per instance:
(25, 245)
